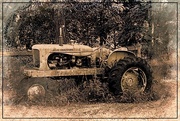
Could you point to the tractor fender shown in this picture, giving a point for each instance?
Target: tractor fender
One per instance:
(117, 55)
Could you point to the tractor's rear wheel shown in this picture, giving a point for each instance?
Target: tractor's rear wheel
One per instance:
(130, 75)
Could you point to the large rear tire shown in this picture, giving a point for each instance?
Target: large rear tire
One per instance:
(130, 75)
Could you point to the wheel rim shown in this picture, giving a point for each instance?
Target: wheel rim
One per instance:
(133, 80)
(36, 91)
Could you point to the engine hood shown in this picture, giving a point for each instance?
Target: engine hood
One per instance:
(72, 49)
(65, 47)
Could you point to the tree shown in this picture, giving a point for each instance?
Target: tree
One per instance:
(84, 21)
(163, 29)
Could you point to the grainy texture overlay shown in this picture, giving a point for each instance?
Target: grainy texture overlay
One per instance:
(150, 30)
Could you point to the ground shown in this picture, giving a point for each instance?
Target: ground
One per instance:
(166, 107)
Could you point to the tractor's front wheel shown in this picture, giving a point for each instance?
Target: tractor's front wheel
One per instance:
(32, 89)
(130, 75)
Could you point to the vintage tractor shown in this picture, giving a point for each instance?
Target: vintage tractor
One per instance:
(122, 69)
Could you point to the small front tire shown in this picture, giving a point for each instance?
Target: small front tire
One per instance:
(32, 89)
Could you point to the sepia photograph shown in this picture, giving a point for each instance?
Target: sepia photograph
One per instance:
(89, 59)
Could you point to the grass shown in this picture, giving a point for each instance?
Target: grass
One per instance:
(69, 92)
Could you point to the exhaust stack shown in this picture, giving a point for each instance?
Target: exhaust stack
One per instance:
(61, 36)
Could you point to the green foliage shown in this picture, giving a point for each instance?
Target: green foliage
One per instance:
(37, 26)
(85, 22)
(121, 24)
